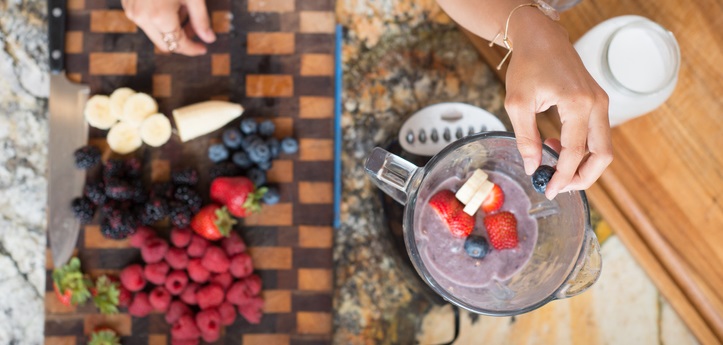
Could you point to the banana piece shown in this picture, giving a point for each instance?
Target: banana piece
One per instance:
(466, 192)
(478, 198)
(202, 118)
(156, 130)
(117, 100)
(97, 112)
(124, 138)
(137, 107)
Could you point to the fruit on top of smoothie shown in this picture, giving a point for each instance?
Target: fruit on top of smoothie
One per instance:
(502, 230)
(476, 247)
(541, 177)
(494, 200)
(479, 197)
(466, 192)
(460, 224)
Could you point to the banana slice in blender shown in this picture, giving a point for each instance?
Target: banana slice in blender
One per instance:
(478, 198)
(156, 130)
(97, 112)
(466, 192)
(124, 138)
(137, 108)
(118, 99)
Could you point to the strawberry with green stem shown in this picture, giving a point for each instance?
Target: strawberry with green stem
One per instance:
(106, 294)
(213, 222)
(70, 284)
(239, 194)
(104, 336)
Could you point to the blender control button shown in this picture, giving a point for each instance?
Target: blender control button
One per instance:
(422, 136)
(459, 133)
(483, 129)
(410, 137)
(447, 135)
(470, 131)
(434, 135)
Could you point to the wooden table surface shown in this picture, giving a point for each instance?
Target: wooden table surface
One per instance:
(663, 193)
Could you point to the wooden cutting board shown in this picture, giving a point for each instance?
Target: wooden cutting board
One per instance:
(276, 59)
(662, 193)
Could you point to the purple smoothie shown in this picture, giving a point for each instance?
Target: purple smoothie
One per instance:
(444, 255)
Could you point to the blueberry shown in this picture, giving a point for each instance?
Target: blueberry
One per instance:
(241, 159)
(289, 145)
(267, 128)
(264, 165)
(274, 147)
(259, 152)
(217, 153)
(476, 246)
(271, 196)
(250, 141)
(232, 138)
(257, 176)
(541, 177)
(248, 126)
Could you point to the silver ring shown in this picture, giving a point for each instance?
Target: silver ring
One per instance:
(171, 39)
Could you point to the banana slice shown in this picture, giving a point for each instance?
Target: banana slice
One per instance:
(466, 192)
(156, 130)
(202, 118)
(97, 112)
(117, 100)
(478, 198)
(124, 138)
(137, 107)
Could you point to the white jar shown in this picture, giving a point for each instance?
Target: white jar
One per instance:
(634, 60)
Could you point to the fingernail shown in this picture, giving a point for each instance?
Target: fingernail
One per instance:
(529, 166)
(211, 35)
(551, 192)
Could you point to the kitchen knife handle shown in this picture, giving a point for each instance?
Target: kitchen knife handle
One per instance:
(56, 34)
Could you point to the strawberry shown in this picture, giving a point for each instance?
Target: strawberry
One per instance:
(104, 336)
(70, 284)
(212, 222)
(448, 208)
(239, 194)
(106, 294)
(502, 230)
(494, 200)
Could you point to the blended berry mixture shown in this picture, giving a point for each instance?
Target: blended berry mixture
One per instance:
(444, 255)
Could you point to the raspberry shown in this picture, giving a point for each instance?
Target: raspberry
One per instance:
(188, 177)
(188, 295)
(132, 278)
(238, 293)
(209, 323)
(95, 192)
(156, 272)
(197, 272)
(228, 313)
(141, 306)
(176, 282)
(241, 265)
(181, 237)
(83, 209)
(125, 297)
(185, 328)
(253, 284)
(175, 310)
(251, 311)
(193, 341)
(142, 234)
(224, 279)
(197, 247)
(159, 298)
(215, 260)
(153, 250)
(233, 244)
(177, 258)
(209, 296)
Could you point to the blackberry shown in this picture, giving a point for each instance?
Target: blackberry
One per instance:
(83, 209)
(113, 168)
(119, 224)
(140, 195)
(119, 189)
(180, 215)
(86, 157)
(162, 190)
(183, 193)
(95, 192)
(108, 207)
(195, 202)
(133, 168)
(224, 169)
(188, 177)
(154, 210)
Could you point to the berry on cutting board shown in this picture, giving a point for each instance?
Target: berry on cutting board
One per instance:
(541, 177)
(106, 294)
(242, 159)
(187, 177)
(451, 211)
(476, 247)
(238, 194)
(232, 138)
(83, 209)
(104, 336)
(212, 222)
(70, 284)
(494, 200)
(217, 153)
(502, 230)
(289, 145)
(86, 157)
(267, 128)
(248, 126)
(257, 176)
(272, 196)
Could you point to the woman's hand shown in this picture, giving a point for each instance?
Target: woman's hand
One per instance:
(545, 71)
(161, 21)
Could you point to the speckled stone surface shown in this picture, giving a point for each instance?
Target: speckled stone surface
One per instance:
(399, 56)
(23, 134)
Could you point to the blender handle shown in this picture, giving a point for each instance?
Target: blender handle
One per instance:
(587, 268)
(390, 173)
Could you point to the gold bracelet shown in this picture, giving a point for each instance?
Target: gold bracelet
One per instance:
(544, 7)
